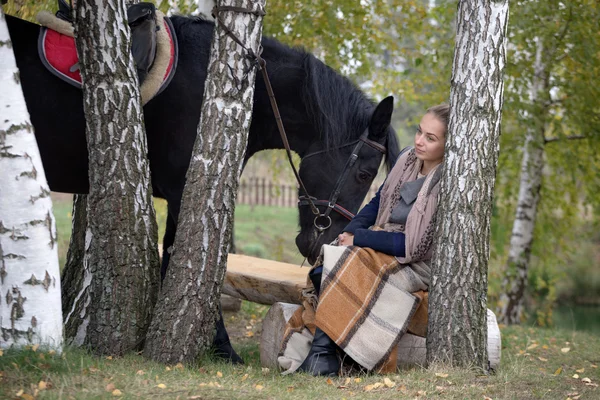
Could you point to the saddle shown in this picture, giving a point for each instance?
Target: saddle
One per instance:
(154, 46)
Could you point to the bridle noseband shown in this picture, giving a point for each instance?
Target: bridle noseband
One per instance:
(322, 221)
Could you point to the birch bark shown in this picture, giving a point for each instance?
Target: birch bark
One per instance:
(114, 305)
(30, 309)
(184, 320)
(532, 166)
(457, 333)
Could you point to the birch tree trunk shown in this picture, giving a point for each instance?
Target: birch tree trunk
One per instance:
(184, 321)
(532, 166)
(30, 310)
(457, 333)
(121, 272)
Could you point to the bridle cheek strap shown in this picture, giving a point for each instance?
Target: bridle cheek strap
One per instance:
(322, 221)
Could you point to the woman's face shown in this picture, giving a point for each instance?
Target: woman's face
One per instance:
(430, 140)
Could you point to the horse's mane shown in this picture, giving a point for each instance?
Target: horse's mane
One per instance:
(337, 105)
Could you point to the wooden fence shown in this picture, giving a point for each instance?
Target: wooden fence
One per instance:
(261, 191)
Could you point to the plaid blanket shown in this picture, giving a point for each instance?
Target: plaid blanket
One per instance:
(365, 306)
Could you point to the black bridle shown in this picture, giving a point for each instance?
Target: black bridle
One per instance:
(322, 221)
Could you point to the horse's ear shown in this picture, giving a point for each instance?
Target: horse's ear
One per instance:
(381, 118)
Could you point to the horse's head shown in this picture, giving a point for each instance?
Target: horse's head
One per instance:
(332, 178)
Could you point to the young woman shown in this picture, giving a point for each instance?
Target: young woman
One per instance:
(364, 286)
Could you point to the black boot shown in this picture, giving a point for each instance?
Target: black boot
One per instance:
(221, 344)
(322, 358)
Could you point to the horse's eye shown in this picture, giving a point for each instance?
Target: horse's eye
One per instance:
(363, 176)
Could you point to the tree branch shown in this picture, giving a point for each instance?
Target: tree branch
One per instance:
(559, 139)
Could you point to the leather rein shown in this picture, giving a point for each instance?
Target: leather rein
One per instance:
(322, 221)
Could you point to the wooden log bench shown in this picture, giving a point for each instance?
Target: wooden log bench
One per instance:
(280, 285)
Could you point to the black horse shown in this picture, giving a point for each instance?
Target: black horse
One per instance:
(323, 114)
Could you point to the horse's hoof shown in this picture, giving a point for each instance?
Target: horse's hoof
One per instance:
(227, 353)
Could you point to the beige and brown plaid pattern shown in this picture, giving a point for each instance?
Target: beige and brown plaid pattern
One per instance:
(366, 303)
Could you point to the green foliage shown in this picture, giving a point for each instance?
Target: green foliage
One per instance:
(28, 9)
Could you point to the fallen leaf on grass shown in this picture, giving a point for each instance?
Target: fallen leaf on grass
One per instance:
(249, 334)
(26, 396)
(545, 347)
(117, 392)
(580, 371)
(576, 376)
(558, 371)
(421, 393)
(265, 371)
(42, 385)
(565, 349)
(533, 346)
(376, 385)
(110, 387)
(219, 374)
(167, 368)
(109, 357)
(140, 372)
(35, 347)
(542, 359)
(487, 398)
(357, 380)
(19, 393)
(290, 388)
(388, 382)
(244, 377)
(401, 388)
(594, 366)
(259, 387)
(161, 386)
(179, 366)
(329, 381)
(347, 381)
(441, 375)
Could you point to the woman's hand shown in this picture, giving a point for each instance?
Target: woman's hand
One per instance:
(346, 239)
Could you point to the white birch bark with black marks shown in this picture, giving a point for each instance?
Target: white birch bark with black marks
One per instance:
(121, 264)
(457, 333)
(512, 295)
(184, 321)
(30, 309)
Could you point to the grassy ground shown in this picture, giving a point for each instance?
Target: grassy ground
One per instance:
(536, 363)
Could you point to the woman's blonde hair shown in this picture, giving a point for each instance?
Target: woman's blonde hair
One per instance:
(441, 112)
